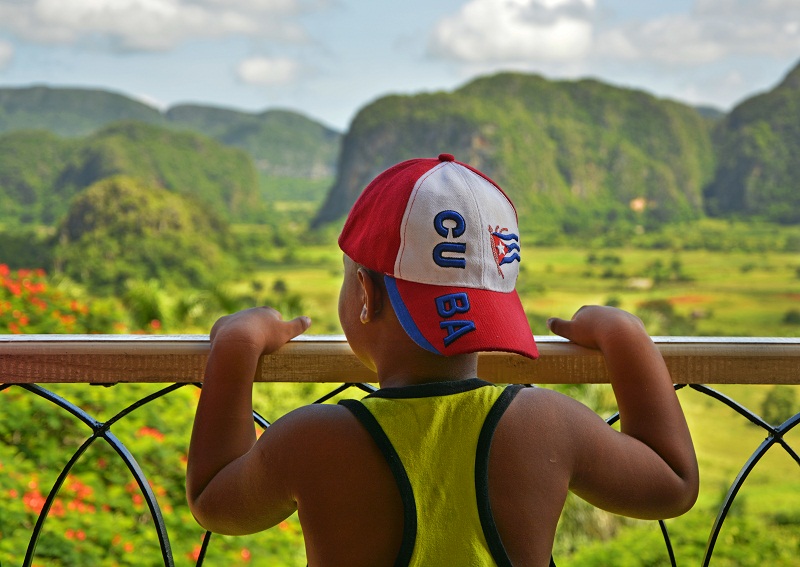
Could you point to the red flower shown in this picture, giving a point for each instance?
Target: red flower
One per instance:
(14, 288)
(81, 490)
(58, 508)
(194, 554)
(33, 501)
(150, 432)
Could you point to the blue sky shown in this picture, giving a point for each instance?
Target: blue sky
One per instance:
(328, 58)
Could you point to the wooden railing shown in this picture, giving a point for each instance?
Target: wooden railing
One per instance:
(32, 362)
(106, 359)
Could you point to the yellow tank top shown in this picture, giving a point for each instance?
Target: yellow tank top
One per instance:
(436, 438)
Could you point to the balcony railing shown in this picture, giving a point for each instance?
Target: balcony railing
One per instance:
(31, 363)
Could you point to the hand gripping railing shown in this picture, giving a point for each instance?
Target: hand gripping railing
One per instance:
(28, 361)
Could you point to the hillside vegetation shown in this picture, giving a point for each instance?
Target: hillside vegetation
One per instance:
(40, 173)
(68, 112)
(157, 234)
(585, 162)
(578, 157)
(758, 145)
(573, 156)
(281, 143)
(30, 165)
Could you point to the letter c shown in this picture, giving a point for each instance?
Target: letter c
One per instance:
(458, 230)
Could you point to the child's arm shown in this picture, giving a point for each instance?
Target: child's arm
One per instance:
(223, 475)
(649, 470)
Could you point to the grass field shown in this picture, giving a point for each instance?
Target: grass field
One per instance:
(712, 293)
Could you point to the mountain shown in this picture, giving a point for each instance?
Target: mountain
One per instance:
(758, 144)
(710, 112)
(40, 173)
(573, 155)
(282, 143)
(66, 112)
(30, 164)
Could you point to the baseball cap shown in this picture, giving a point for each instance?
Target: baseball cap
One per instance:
(446, 238)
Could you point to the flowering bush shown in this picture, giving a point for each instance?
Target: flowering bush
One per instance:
(30, 304)
(100, 515)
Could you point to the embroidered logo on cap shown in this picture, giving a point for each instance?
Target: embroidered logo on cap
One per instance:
(505, 247)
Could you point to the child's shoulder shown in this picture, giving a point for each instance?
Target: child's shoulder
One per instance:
(320, 429)
(543, 414)
(315, 418)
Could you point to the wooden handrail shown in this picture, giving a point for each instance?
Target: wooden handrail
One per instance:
(108, 359)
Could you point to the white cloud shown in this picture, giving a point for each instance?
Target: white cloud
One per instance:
(268, 71)
(711, 31)
(513, 31)
(6, 54)
(151, 25)
(548, 33)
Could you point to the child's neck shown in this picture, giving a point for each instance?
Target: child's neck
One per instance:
(427, 368)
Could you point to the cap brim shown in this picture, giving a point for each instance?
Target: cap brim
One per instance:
(458, 320)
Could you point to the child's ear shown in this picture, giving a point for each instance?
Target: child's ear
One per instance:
(371, 296)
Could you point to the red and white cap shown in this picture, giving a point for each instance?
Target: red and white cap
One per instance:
(446, 238)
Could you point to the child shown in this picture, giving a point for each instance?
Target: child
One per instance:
(437, 468)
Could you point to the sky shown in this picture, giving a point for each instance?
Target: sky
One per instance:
(329, 58)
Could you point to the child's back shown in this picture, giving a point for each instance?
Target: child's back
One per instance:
(436, 468)
(350, 504)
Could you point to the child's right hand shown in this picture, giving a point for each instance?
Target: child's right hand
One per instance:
(593, 325)
(260, 327)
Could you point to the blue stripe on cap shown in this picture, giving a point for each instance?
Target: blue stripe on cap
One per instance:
(404, 316)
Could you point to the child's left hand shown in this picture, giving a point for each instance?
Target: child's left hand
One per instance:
(260, 327)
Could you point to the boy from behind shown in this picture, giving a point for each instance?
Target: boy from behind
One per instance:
(437, 467)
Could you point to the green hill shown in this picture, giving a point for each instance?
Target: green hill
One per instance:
(574, 156)
(284, 145)
(578, 157)
(182, 162)
(30, 163)
(40, 173)
(121, 229)
(758, 145)
(68, 112)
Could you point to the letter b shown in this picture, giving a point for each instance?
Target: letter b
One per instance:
(452, 303)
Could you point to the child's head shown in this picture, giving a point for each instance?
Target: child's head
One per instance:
(445, 238)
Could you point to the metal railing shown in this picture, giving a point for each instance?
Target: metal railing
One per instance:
(31, 362)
